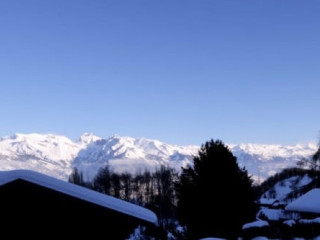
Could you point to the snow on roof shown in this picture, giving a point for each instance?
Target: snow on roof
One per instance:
(212, 238)
(79, 192)
(260, 238)
(308, 202)
(289, 222)
(309, 221)
(271, 214)
(268, 201)
(258, 223)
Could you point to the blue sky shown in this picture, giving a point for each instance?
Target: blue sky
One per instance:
(179, 71)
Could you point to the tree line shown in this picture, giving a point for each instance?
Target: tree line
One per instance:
(154, 190)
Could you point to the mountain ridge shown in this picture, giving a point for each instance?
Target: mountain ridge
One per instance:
(57, 155)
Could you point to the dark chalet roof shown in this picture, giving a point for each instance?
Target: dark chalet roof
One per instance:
(33, 202)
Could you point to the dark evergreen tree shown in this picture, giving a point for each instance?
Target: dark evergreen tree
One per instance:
(76, 177)
(316, 168)
(115, 185)
(126, 179)
(165, 198)
(147, 186)
(316, 158)
(101, 182)
(312, 163)
(215, 196)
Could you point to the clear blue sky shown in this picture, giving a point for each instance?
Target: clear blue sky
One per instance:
(179, 71)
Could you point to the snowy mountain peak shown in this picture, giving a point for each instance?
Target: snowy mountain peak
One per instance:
(88, 138)
(262, 160)
(131, 154)
(35, 137)
(47, 153)
(116, 136)
(21, 137)
(271, 151)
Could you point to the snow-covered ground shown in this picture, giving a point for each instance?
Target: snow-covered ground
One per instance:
(282, 188)
(258, 224)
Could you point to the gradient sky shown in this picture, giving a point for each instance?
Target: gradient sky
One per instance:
(179, 71)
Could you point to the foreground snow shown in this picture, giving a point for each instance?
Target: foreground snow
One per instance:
(258, 224)
(212, 238)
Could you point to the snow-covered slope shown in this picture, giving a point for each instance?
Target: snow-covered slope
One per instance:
(57, 155)
(263, 160)
(48, 154)
(132, 155)
(283, 188)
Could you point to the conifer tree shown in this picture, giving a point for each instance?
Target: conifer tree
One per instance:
(215, 196)
(76, 177)
(101, 182)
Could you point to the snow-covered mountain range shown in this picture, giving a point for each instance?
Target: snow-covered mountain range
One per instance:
(58, 155)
